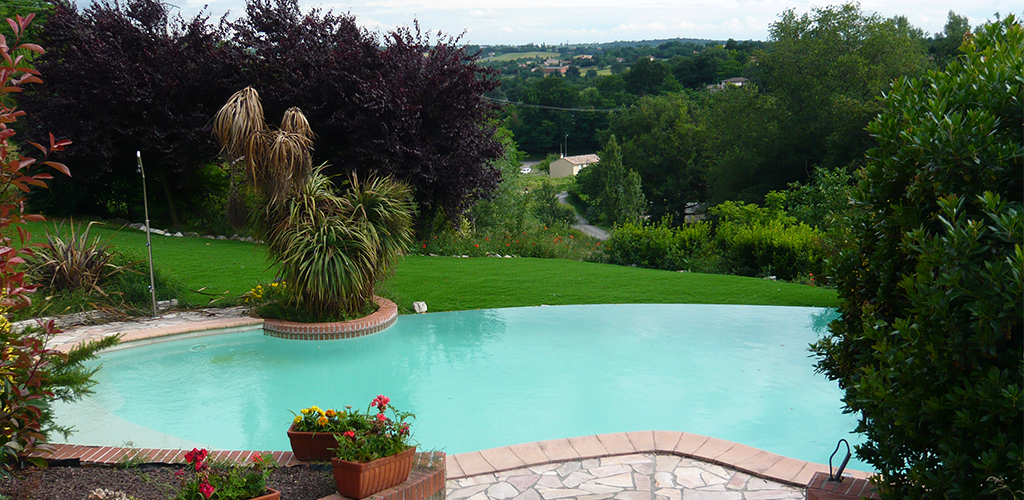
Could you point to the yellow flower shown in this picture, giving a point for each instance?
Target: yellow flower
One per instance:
(305, 411)
(297, 419)
(322, 421)
(315, 408)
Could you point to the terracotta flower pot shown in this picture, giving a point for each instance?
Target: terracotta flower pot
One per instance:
(311, 446)
(271, 494)
(360, 480)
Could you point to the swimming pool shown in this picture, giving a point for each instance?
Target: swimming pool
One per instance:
(487, 378)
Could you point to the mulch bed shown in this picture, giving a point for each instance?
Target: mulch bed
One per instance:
(149, 482)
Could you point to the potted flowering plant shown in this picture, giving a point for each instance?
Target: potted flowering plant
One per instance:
(201, 481)
(376, 453)
(312, 432)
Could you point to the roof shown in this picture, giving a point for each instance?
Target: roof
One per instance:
(582, 159)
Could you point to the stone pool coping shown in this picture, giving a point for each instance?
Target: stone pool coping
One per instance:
(737, 456)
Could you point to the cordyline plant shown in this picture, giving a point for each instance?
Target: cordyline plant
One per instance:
(333, 247)
(31, 374)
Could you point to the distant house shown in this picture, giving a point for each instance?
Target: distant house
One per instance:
(571, 165)
(736, 82)
(555, 69)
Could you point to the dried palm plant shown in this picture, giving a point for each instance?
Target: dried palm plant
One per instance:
(279, 163)
(295, 122)
(239, 118)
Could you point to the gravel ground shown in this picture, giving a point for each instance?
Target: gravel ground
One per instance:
(148, 482)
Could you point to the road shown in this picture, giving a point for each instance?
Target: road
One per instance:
(582, 225)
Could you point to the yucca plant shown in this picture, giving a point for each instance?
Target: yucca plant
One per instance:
(334, 247)
(72, 262)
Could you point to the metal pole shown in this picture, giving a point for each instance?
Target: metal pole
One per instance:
(149, 243)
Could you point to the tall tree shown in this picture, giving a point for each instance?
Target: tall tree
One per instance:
(127, 78)
(945, 46)
(827, 68)
(743, 144)
(614, 193)
(413, 109)
(662, 142)
(930, 346)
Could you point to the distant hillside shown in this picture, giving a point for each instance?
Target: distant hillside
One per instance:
(644, 43)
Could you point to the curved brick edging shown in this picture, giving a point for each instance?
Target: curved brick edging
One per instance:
(740, 457)
(383, 318)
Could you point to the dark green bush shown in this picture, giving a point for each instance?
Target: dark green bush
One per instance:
(661, 246)
(930, 344)
(546, 242)
(756, 241)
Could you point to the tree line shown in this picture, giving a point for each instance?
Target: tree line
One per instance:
(129, 77)
(811, 90)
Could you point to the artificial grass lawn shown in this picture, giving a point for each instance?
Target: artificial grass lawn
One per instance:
(227, 269)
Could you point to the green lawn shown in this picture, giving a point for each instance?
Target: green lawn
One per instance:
(452, 284)
(231, 268)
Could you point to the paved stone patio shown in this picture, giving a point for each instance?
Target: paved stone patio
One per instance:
(627, 477)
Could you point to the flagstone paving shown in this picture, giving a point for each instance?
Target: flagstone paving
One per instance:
(643, 476)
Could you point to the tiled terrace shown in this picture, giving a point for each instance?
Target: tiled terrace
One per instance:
(649, 465)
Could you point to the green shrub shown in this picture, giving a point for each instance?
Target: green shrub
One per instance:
(549, 211)
(756, 241)
(507, 211)
(930, 344)
(661, 246)
(547, 243)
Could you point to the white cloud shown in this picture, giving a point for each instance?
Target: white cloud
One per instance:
(583, 21)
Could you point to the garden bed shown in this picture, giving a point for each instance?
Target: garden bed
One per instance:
(302, 482)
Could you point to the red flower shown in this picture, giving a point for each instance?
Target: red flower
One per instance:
(349, 434)
(405, 429)
(382, 417)
(206, 489)
(477, 245)
(424, 245)
(381, 402)
(488, 239)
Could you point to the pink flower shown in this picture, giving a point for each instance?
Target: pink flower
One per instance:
(206, 489)
(382, 417)
(381, 402)
(405, 428)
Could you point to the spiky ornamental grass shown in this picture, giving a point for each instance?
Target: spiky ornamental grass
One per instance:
(339, 247)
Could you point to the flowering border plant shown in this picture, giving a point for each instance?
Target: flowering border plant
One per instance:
(377, 436)
(314, 419)
(227, 482)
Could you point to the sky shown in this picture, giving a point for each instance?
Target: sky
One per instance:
(554, 22)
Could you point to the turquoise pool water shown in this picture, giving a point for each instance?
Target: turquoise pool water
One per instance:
(487, 378)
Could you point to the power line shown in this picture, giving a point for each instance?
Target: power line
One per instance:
(525, 105)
